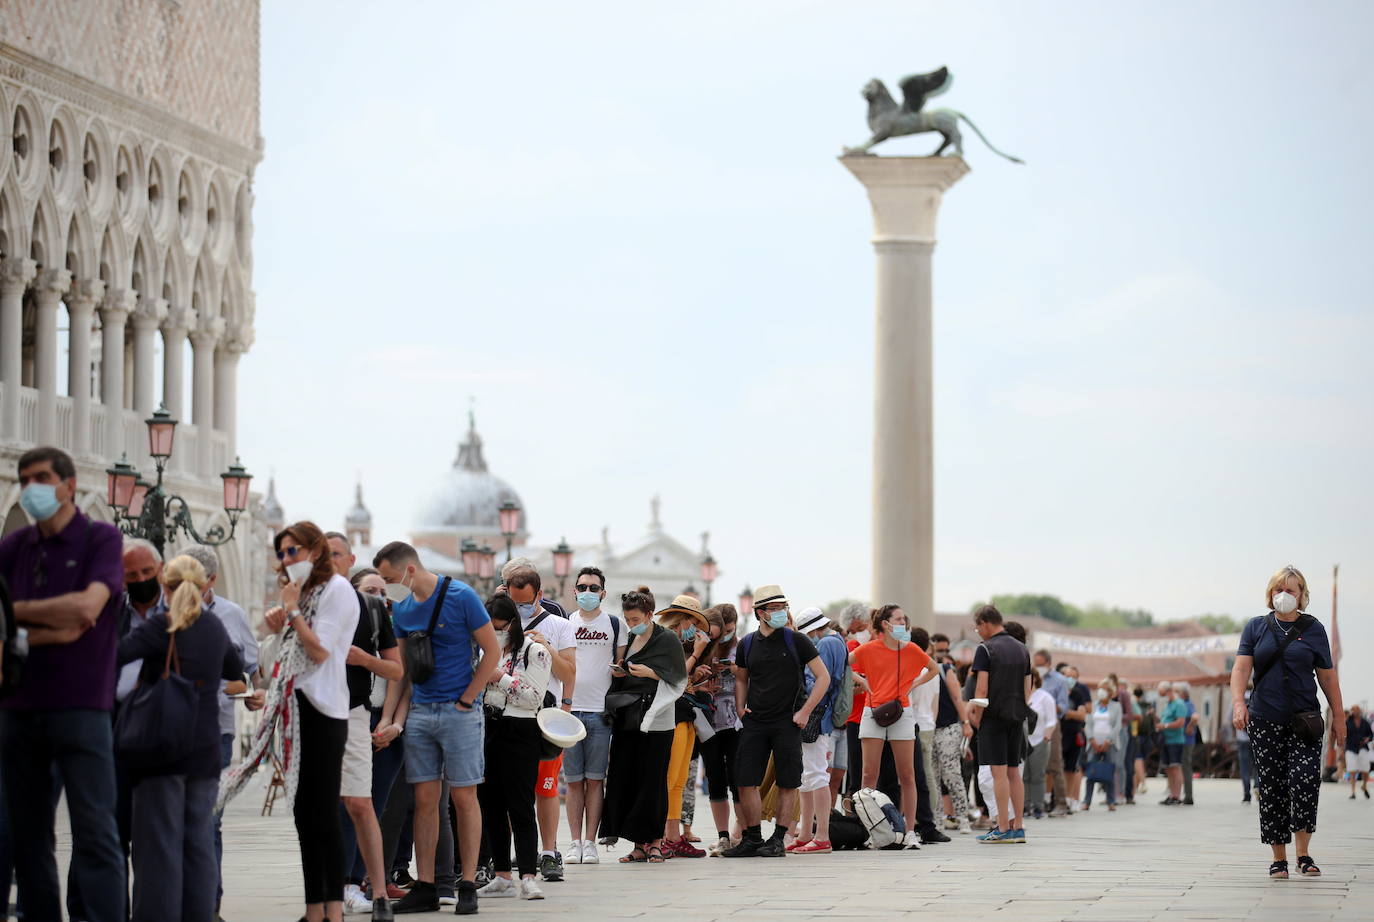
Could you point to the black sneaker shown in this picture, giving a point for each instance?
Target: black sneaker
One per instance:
(381, 910)
(467, 899)
(551, 867)
(423, 897)
(401, 878)
(484, 875)
(747, 848)
(1187, 801)
(773, 848)
(933, 837)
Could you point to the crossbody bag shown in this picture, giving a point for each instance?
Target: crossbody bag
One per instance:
(1306, 725)
(420, 645)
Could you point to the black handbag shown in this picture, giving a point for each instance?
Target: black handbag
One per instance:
(625, 710)
(812, 731)
(420, 644)
(157, 723)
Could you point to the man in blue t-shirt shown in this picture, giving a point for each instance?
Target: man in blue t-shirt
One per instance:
(444, 727)
(1173, 721)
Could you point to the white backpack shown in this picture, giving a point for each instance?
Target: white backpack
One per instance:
(880, 817)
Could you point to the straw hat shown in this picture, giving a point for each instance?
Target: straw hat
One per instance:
(766, 595)
(687, 605)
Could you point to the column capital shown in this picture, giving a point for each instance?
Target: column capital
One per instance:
(84, 294)
(149, 313)
(51, 284)
(17, 272)
(117, 306)
(905, 192)
(207, 332)
(237, 340)
(180, 318)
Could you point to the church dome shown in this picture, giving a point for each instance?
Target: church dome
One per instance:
(358, 516)
(468, 499)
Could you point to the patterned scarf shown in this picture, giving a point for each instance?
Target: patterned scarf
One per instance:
(281, 709)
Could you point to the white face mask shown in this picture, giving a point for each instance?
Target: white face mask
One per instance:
(1101, 694)
(863, 636)
(397, 592)
(299, 571)
(1285, 603)
(1043, 670)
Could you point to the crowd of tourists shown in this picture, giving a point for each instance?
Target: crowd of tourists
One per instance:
(409, 721)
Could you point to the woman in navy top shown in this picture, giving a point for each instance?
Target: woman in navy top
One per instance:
(1289, 655)
(173, 837)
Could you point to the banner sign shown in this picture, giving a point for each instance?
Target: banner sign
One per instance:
(1136, 647)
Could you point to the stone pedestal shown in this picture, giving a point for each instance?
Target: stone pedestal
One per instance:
(905, 194)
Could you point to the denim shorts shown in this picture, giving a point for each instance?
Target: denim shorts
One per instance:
(839, 750)
(587, 760)
(444, 741)
(1173, 754)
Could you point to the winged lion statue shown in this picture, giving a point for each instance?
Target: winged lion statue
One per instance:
(888, 119)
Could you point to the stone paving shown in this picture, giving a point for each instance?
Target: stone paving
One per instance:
(1142, 862)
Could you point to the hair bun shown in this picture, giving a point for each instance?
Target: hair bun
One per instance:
(644, 590)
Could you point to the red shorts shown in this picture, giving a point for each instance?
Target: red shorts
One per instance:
(547, 783)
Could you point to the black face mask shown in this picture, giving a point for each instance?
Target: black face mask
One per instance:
(144, 591)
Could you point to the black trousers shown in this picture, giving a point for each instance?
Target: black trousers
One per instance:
(637, 785)
(507, 795)
(1289, 771)
(718, 755)
(317, 803)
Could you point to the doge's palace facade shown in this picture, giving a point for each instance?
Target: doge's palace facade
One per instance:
(128, 139)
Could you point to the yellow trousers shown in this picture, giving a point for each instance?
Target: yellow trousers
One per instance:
(684, 738)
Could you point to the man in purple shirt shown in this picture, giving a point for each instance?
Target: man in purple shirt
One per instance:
(65, 575)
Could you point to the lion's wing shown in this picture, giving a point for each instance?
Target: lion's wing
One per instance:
(918, 87)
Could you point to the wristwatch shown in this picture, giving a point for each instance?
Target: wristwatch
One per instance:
(566, 700)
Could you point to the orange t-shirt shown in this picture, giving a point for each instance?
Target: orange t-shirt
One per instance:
(860, 698)
(879, 664)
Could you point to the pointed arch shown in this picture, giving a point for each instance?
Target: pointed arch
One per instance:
(14, 231)
(79, 253)
(176, 286)
(145, 270)
(114, 256)
(45, 234)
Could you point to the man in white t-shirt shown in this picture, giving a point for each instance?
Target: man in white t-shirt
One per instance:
(601, 639)
(526, 590)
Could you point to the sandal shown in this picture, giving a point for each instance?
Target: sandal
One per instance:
(631, 859)
(1279, 870)
(1307, 867)
(655, 855)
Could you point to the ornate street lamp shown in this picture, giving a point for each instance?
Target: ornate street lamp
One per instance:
(708, 575)
(472, 561)
(510, 523)
(746, 606)
(562, 564)
(487, 567)
(144, 510)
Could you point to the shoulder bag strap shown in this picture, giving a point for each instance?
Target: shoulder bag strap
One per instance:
(543, 613)
(173, 661)
(438, 604)
(615, 635)
(1283, 642)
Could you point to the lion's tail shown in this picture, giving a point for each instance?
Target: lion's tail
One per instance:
(986, 141)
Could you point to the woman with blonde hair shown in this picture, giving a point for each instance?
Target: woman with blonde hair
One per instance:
(173, 834)
(1288, 654)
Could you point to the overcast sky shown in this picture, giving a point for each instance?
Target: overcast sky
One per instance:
(620, 228)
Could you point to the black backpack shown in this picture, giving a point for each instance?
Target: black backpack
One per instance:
(847, 833)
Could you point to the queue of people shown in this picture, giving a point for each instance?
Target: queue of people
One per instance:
(406, 716)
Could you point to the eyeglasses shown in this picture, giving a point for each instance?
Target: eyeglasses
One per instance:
(292, 552)
(583, 587)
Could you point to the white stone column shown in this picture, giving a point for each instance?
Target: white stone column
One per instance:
(15, 275)
(905, 194)
(147, 319)
(204, 338)
(114, 312)
(179, 321)
(48, 289)
(82, 298)
(227, 356)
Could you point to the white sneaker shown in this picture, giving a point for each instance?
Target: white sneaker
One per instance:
(529, 889)
(911, 840)
(354, 901)
(965, 828)
(574, 855)
(589, 855)
(499, 886)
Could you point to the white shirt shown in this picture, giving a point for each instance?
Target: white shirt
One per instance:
(559, 633)
(1042, 703)
(594, 636)
(925, 699)
(336, 619)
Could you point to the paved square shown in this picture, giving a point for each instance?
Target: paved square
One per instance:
(1142, 862)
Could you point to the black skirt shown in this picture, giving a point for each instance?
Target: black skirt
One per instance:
(636, 804)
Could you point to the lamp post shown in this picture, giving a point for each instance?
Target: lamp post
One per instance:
(708, 575)
(145, 510)
(487, 567)
(746, 604)
(562, 565)
(472, 562)
(510, 523)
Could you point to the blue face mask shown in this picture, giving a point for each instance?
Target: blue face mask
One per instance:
(526, 610)
(639, 628)
(40, 501)
(901, 634)
(777, 619)
(726, 638)
(589, 601)
(690, 633)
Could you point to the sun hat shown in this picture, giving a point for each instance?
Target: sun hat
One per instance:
(560, 727)
(810, 619)
(766, 595)
(689, 606)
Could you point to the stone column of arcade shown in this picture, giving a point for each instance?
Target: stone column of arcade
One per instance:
(905, 194)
